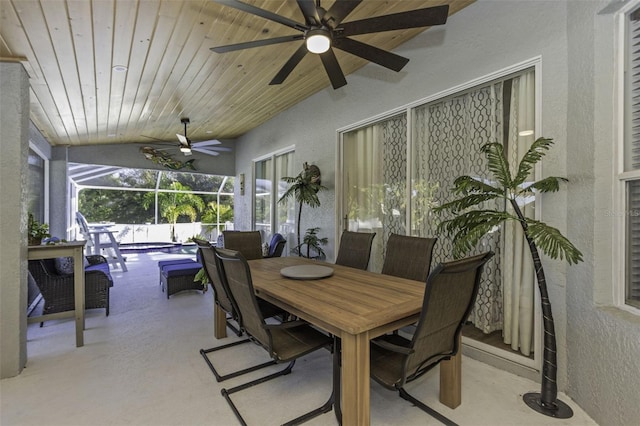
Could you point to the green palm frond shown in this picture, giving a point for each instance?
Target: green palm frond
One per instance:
(497, 163)
(469, 227)
(467, 201)
(552, 242)
(548, 184)
(536, 151)
(466, 184)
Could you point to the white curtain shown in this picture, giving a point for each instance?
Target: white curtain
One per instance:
(374, 179)
(519, 279)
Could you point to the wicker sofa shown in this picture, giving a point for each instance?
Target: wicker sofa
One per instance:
(57, 289)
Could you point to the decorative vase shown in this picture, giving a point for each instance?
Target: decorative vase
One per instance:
(35, 241)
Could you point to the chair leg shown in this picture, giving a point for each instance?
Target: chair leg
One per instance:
(226, 393)
(433, 413)
(334, 399)
(221, 378)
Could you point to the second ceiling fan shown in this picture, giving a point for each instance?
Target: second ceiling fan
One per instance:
(324, 29)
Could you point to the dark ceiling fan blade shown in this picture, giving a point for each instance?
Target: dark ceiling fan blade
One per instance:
(293, 61)
(397, 21)
(381, 57)
(256, 43)
(333, 69)
(262, 13)
(339, 10)
(308, 8)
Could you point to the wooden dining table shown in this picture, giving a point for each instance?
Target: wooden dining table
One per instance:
(356, 306)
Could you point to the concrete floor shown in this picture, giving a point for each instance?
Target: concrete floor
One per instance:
(142, 366)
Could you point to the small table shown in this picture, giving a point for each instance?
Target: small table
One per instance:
(74, 249)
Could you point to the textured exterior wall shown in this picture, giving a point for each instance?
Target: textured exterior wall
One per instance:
(597, 346)
(603, 342)
(14, 133)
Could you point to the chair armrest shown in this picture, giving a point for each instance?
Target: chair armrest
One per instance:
(287, 324)
(392, 347)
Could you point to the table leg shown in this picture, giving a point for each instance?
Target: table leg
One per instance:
(220, 322)
(451, 380)
(355, 379)
(78, 285)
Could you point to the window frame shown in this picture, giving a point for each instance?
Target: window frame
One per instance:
(274, 201)
(622, 177)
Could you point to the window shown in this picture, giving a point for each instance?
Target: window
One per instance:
(631, 172)
(37, 186)
(268, 213)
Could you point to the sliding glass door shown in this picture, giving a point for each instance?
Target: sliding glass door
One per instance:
(270, 216)
(395, 170)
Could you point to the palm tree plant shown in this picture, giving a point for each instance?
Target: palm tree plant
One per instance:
(174, 204)
(469, 225)
(304, 188)
(313, 242)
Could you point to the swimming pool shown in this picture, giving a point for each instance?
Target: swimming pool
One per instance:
(150, 247)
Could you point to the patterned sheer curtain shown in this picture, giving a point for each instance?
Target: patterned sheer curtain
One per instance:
(448, 135)
(374, 182)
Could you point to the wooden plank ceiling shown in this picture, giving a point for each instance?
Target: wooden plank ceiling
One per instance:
(70, 48)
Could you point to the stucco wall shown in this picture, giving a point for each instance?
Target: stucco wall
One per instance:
(574, 42)
(14, 136)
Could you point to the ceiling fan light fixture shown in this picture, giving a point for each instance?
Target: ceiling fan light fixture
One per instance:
(185, 149)
(318, 41)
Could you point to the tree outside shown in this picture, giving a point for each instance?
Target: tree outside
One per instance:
(173, 205)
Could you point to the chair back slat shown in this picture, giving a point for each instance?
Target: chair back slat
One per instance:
(208, 257)
(450, 293)
(249, 243)
(355, 249)
(237, 275)
(408, 257)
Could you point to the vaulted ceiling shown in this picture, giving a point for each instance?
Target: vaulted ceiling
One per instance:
(72, 49)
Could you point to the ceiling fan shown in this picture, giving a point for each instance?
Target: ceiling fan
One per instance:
(324, 29)
(206, 147)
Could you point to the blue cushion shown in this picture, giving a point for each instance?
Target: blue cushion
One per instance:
(102, 267)
(163, 263)
(274, 243)
(180, 269)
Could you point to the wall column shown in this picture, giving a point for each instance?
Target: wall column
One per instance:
(14, 173)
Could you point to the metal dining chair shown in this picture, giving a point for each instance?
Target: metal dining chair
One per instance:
(408, 257)
(249, 243)
(449, 296)
(223, 300)
(285, 342)
(355, 249)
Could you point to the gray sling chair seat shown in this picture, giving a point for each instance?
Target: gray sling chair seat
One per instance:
(355, 249)
(285, 342)
(449, 296)
(223, 301)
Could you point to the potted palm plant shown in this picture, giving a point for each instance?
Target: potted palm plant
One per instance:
(469, 225)
(304, 188)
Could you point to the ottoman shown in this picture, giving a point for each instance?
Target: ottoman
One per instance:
(163, 263)
(179, 276)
